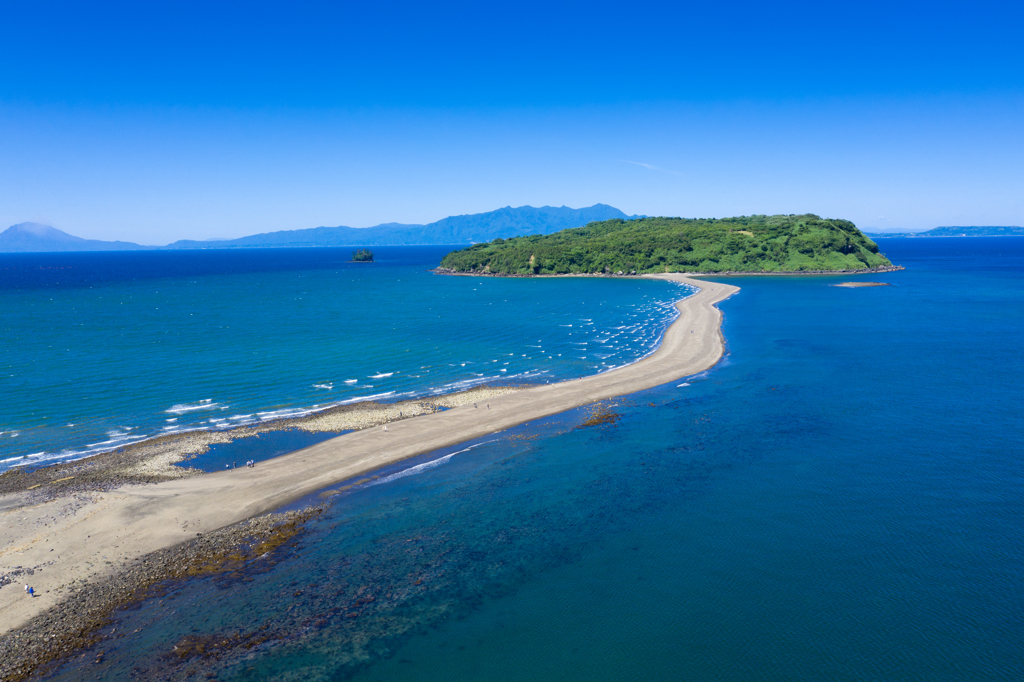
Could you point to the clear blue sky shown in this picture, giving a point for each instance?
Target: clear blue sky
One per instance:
(151, 122)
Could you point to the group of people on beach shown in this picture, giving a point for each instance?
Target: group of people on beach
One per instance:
(234, 465)
(29, 591)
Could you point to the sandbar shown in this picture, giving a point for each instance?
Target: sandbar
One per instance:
(109, 531)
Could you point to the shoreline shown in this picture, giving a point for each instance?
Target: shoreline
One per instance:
(632, 275)
(796, 273)
(107, 533)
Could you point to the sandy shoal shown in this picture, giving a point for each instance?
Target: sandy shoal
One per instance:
(112, 529)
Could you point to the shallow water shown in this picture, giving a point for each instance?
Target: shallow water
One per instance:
(259, 447)
(104, 349)
(841, 498)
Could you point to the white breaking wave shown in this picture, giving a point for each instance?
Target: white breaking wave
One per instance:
(182, 408)
(287, 412)
(22, 457)
(461, 385)
(326, 386)
(364, 398)
(117, 441)
(381, 375)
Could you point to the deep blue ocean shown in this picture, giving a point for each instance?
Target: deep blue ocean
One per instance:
(841, 498)
(102, 349)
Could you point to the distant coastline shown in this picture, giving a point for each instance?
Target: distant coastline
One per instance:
(955, 231)
(918, 235)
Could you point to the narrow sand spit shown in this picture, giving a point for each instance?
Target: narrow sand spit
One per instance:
(73, 541)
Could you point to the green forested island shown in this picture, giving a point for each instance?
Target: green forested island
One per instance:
(757, 243)
(362, 256)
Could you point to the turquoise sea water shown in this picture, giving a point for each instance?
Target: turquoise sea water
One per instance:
(99, 350)
(840, 499)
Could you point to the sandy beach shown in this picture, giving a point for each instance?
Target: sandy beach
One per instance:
(77, 540)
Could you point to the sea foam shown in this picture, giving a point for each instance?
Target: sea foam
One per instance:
(182, 408)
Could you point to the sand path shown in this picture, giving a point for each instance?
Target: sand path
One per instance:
(105, 534)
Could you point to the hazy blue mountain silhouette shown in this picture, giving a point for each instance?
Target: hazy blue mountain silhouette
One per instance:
(26, 237)
(463, 229)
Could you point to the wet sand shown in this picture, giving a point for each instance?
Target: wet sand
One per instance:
(77, 540)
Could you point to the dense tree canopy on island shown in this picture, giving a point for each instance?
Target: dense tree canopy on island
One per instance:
(758, 243)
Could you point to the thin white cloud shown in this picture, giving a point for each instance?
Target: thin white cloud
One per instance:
(650, 167)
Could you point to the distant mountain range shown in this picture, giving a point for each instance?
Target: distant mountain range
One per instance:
(464, 229)
(963, 231)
